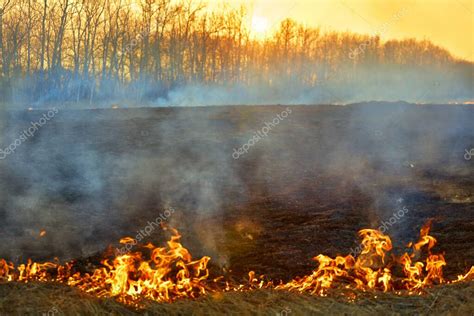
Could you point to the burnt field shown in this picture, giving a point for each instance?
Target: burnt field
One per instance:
(89, 177)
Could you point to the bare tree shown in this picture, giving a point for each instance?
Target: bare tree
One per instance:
(143, 48)
(5, 5)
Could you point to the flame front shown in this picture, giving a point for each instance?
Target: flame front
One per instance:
(372, 269)
(168, 274)
(165, 274)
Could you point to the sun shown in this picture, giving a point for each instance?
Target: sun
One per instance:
(260, 26)
(135, 7)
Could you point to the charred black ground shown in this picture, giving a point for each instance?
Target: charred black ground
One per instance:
(90, 177)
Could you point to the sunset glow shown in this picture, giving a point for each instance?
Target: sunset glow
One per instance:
(295, 146)
(423, 19)
(260, 26)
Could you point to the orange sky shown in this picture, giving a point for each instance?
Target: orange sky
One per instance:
(448, 23)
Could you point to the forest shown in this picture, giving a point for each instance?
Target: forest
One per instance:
(95, 51)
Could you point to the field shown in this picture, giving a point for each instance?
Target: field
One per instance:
(18, 299)
(89, 177)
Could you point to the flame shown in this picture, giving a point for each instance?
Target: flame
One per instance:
(166, 274)
(467, 277)
(372, 269)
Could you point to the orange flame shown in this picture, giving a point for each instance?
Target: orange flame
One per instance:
(165, 274)
(168, 274)
(372, 270)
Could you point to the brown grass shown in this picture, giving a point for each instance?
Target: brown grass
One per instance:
(39, 299)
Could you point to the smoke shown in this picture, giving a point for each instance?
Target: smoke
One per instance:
(90, 177)
(313, 84)
(383, 83)
(363, 161)
(89, 180)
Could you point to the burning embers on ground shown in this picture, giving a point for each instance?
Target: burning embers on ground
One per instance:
(166, 274)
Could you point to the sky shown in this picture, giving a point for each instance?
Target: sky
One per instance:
(448, 23)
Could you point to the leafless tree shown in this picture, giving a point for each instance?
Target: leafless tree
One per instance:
(88, 48)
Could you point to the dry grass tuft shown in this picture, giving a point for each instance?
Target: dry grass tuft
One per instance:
(57, 299)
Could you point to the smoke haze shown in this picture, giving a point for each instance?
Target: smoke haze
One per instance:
(91, 177)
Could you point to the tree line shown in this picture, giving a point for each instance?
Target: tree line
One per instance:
(95, 50)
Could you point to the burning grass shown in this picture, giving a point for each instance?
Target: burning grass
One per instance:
(38, 298)
(151, 275)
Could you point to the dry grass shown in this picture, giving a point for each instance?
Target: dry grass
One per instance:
(39, 299)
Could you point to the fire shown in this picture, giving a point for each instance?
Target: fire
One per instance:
(162, 274)
(166, 274)
(372, 269)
